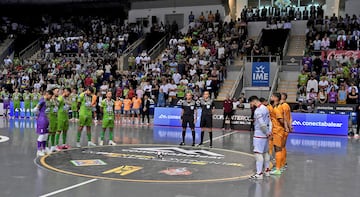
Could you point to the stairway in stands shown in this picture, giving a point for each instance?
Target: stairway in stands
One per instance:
(296, 45)
(233, 74)
(288, 84)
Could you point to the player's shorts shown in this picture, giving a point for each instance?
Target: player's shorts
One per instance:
(186, 120)
(6, 105)
(52, 124)
(286, 134)
(27, 105)
(278, 140)
(42, 125)
(108, 122)
(135, 111)
(206, 121)
(261, 145)
(85, 121)
(17, 105)
(127, 112)
(63, 124)
(118, 111)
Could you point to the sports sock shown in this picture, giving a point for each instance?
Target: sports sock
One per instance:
(285, 155)
(39, 145)
(102, 135)
(89, 137)
(211, 138)
(57, 138)
(259, 163)
(183, 135)
(78, 136)
(43, 145)
(193, 136)
(52, 139)
(111, 134)
(202, 137)
(278, 159)
(64, 136)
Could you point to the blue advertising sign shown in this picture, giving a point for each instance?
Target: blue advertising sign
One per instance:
(163, 134)
(260, 74)
(316, 144)
(324, 124)
(20, 113)
(171, 117)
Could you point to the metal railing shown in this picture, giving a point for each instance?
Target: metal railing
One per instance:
(7, 49)
(159, 47)
(30, 50)
(263, 58)
(275, 83)
(238, 84)
(286, 45)
(122, 62)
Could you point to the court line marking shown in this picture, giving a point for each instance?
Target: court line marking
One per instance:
(69, 188)
(221, 136)
(3, 138)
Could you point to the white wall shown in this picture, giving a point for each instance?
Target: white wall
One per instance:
(352, 7)
(254, 28)
(161, 12)
(240, 4)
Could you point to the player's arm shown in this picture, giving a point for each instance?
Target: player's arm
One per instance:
(102, 105)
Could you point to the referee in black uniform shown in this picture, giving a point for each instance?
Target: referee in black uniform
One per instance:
(207, 107)
(188, 116)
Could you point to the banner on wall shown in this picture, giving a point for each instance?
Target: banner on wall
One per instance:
(260, 75)
(324, 124)
(21, 113)
(339, 53)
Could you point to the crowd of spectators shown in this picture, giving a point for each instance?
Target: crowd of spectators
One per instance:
(80, 57)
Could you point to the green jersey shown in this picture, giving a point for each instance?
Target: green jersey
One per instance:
(108, 108)
(63, 107)
(16, 97)
(5, 96)
(27, 97)
(85, 105)
(35, 97)
(303, 78)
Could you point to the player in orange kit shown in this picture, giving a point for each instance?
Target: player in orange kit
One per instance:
(118, 105)
(277, 119)
(288, 121)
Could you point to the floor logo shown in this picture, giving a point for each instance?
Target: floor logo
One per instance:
(176, 171)
(140, 163)
(3, 138)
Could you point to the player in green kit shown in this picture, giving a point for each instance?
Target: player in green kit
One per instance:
(53, 107)
(74, 105)
(27, 102)
(85, 115)
(64, 104)
(16, 99)
(35, 97)
(107, 108)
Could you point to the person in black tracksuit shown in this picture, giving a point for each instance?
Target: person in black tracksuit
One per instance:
(207, 107)
(145, 109)
(188, 116)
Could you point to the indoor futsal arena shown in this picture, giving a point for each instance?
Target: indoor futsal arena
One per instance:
(169, 98)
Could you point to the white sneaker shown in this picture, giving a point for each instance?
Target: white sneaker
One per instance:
(267, 172)
(78, 145)
(40, 153)
(91, 143)
(257, 176)
(53, 149)
(356, 136)
(47, 151)
(101, 143)
(112, 143)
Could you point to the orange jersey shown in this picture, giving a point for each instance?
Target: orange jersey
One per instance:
(127, 104)
(93, 100)
(136, 103)
(118, 105)
(276, 114)
(287, 113)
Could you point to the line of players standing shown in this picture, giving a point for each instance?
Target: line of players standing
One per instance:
(53, 117)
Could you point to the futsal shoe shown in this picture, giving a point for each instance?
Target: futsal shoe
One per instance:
(40, 153)
(53, 149)
(59, 148)
(47, 151)
(267, 172)
(200, 145)
(65, 146)
(101, 143)
(182, 144)
(78, 145)
(91, 143)
(275, 172)
(112, 143)
(356, 136)
(257, 176)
